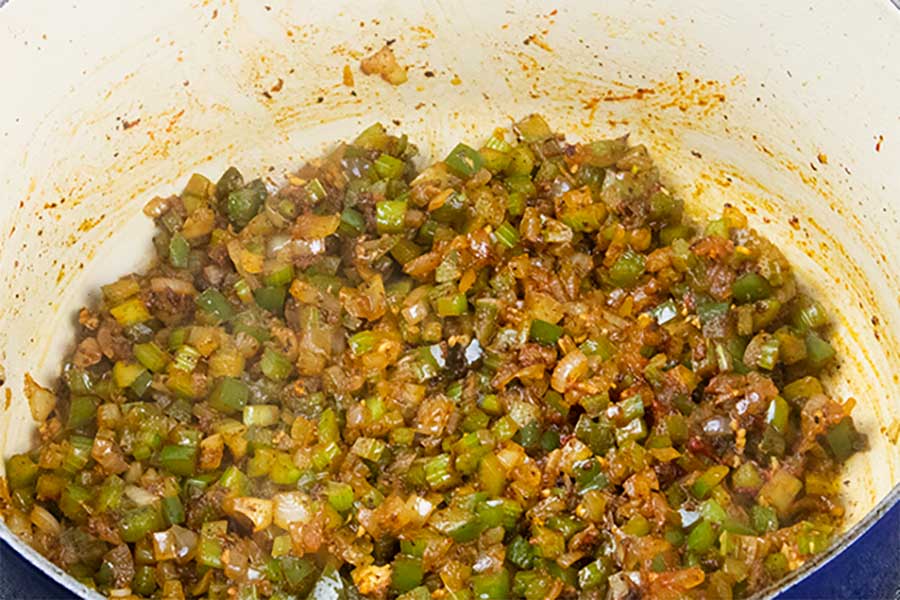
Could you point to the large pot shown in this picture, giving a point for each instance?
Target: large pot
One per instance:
(787, 109)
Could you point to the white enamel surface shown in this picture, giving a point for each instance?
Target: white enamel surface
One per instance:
(736, 100)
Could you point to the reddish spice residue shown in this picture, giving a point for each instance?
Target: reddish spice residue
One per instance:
(89, 224)
(878, 143)
(129, 124)
(537, 41)
(348, 76)
(822, 158)
(794, 222)
(174, 120)
(278, 85)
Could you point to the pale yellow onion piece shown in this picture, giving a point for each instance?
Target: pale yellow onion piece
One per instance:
(257, 510)
(371, 579)
(44, 520)
(310, 226)
(511, 456)
(139, 495)
(291, 507)
(569, 370)
(573, 452)
(211, 450)
(41, 401)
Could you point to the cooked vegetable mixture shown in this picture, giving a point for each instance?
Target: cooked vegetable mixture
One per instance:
(518, 372)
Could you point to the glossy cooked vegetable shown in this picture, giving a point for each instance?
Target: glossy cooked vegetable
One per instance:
(518, 372)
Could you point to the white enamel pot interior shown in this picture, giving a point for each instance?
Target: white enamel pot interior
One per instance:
(788, 110)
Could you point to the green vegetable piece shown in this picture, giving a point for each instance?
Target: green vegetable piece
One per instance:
(284, 471)
(340, 496)
(751, 287)
(778, 413)
(144, 580)
(594, 574)
(21, 472)
(235, 481)
(243, 204)
(151, 356)
(186, 358)
(808, 314)
(328, 427)
(139, 522)
(230, 181)
(213, 303)
(638, 526)
(131, 312)
(818, 352)
(389, 167)
(390, 216)
(405, 250)
(179, 460)
(763, 518)
(521, 162)
(406, 574)
(545, 333)
(451, 305)
(280, 275)
(299, 574)
(491, 586)
(82, 410)
(229, 395)
(374, 137)
(274, 365)
(746, 477)
(271, 298)
(805, 387)
(352, 222)
(701, 538)
(438, 472)
(507, 234)
(173, 510)
(704, 484)
(464, 161)
(776, 565)
(841, 438)
(494, 160)
(179, 250)
(627, 269)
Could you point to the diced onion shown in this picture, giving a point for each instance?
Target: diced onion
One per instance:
(291, 507)
(139, 495)
(44, 520)
(41, 400)
(257, 510)
(569, 369)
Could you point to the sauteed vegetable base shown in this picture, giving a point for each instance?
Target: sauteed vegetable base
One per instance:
(516, 372)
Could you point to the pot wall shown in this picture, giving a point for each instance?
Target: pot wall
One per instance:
(786, 109)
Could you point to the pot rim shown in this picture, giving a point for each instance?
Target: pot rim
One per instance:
(842, 543)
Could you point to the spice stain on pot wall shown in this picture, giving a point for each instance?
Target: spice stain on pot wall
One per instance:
(235, 111)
